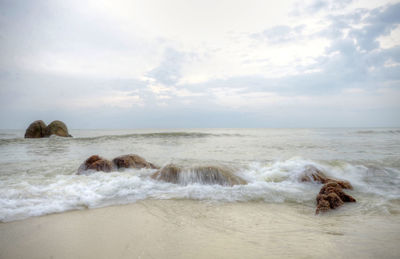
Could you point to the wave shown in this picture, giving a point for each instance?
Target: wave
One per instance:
(160, 135)
(392, 131)
(27, 195)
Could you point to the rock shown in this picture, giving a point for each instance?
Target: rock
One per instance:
(132, 161)
(213, 175)
(332, 196)
(332, 187)
(202, 175)
(169, 173)
(36, 129)
(57, 128)
(311, 173)
(323, 204)
(342, 183)
(96, 163)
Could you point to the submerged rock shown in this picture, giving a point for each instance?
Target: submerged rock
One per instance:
(212, 175)
(203, 175)
(331, 196)
(96, 163)
(57, 128)
(132, 161)
(311, 173)
(169, 173)
(36, 129)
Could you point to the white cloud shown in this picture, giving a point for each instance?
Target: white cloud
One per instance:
(391, 40)
(208, 55)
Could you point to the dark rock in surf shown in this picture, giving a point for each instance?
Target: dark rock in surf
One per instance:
(204, 175)
(36, 129)
(332, 187)
(132, 161)
(214, 175)
(169, 173)
(313, 174)
(96, 163)
(331, 196)
(57, 128)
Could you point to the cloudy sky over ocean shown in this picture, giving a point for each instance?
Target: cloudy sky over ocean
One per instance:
(180, 63)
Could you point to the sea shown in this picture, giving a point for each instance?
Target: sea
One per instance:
(39, 176)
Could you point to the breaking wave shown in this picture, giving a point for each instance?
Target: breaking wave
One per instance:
(25, 195)
(156, 135)
(381, 131)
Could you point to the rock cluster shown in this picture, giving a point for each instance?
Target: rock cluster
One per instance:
(97, 163)
(38, 129)
(169, 173)
(331, 194)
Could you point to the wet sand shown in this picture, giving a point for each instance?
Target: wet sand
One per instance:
(192, 229)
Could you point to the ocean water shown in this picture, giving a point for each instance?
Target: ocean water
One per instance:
(38, 176)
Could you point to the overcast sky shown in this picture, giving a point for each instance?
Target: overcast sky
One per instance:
(208, 63)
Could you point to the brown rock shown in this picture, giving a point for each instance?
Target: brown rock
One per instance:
(96, 163)
(57, 128)
(202, 175)
(92, 159)
(36, 129)
(332, 187)
(332, 193)
(169, 173)
(342, 183)
(311, 173)
(132, 161)
(322, 205)
(214, 175)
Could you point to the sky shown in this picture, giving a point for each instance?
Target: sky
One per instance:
(200, 64)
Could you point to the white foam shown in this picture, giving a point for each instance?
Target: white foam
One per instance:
(38, 194)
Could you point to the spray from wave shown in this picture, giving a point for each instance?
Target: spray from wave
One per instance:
(275, 182)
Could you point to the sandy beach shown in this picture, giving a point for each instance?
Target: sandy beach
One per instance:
(193, 229)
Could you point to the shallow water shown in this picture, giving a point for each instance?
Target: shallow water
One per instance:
(38, 176)
(196, 229)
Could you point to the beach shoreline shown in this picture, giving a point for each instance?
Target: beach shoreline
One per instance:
(199, 229)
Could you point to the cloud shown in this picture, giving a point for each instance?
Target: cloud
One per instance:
(253, 63)
(280, 34)
(168, 72)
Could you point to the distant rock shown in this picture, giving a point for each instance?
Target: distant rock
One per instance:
(57, 128)
(96, 163)
(36, 129)
(202, 175)
(132, 161)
